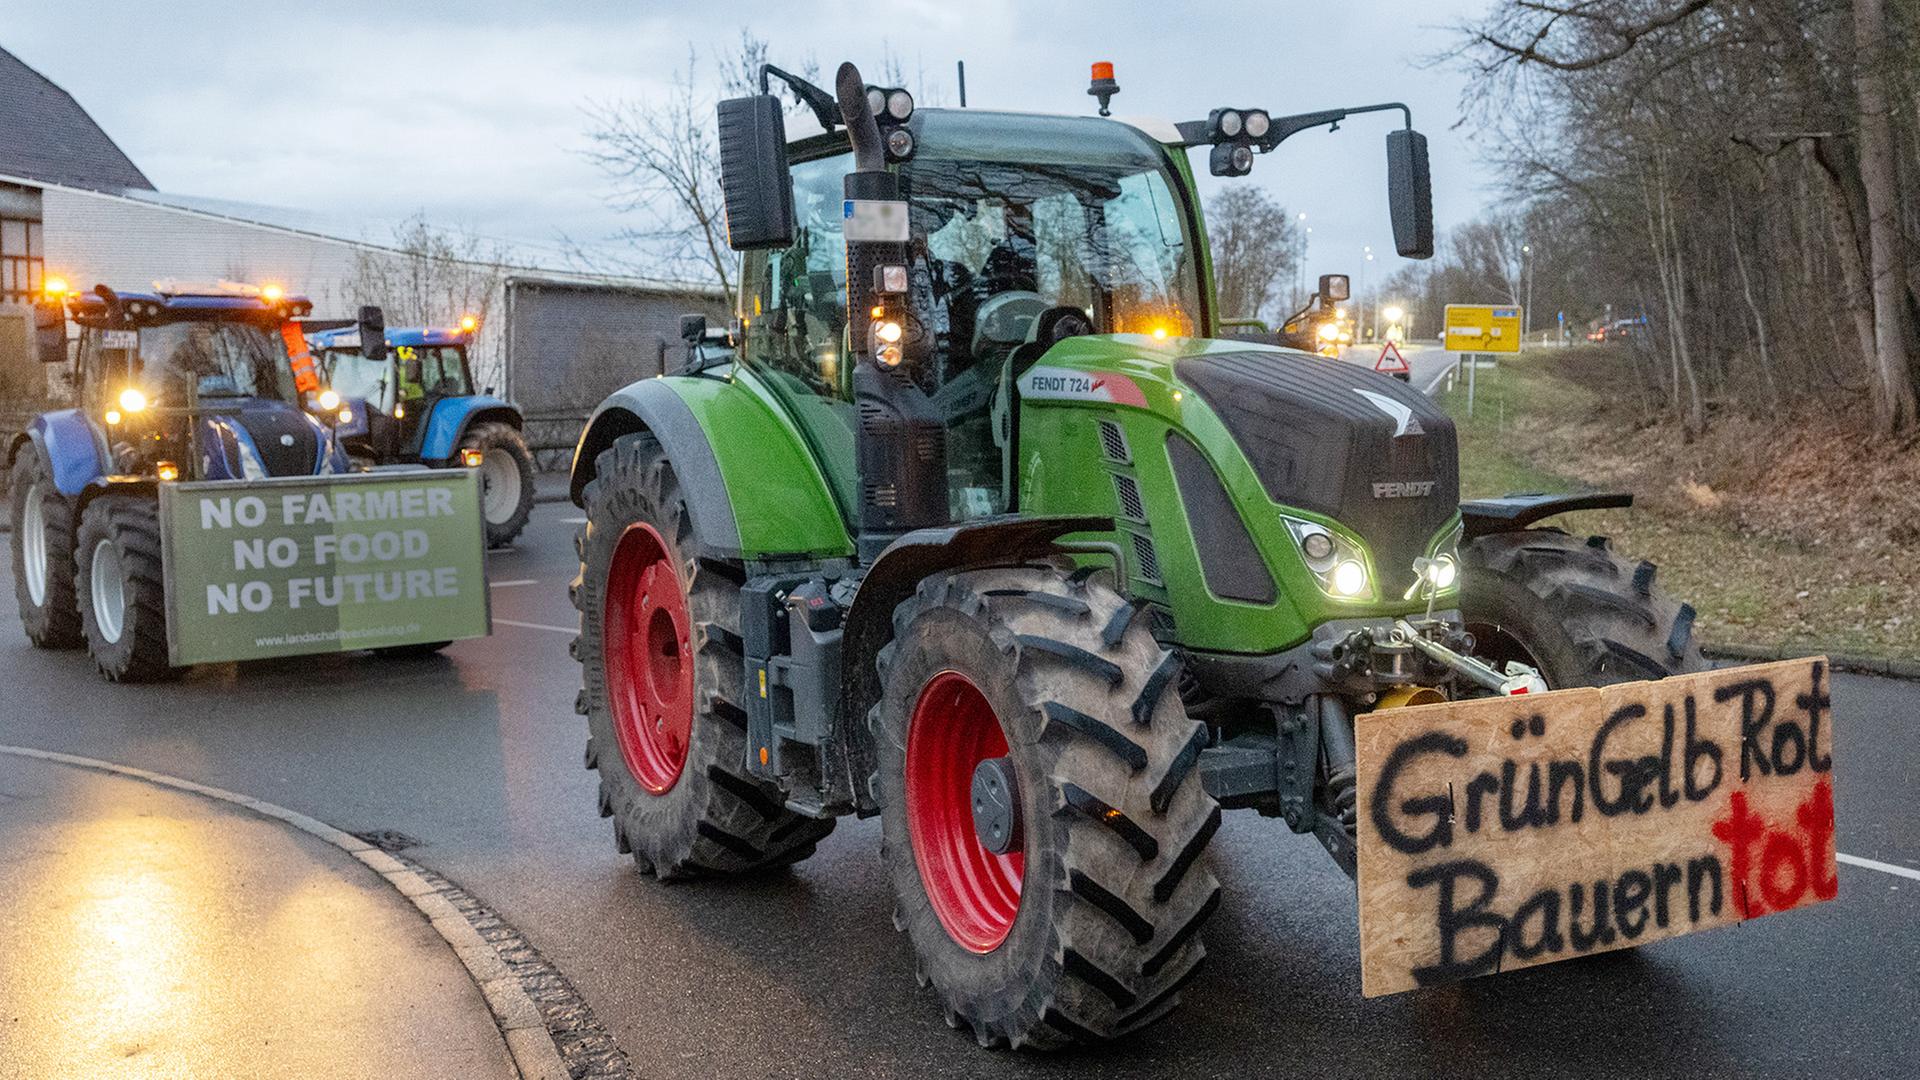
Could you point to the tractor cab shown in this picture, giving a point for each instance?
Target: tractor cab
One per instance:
(421, 368)
(197, 381)
(411, 399)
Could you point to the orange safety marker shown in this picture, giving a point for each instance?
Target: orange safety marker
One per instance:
(1398, 366)
(305, 378)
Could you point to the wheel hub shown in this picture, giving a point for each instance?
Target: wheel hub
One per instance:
(499, 485)
(33, 544)
(996, 811)
(974, 890)
(647, 647)
(108, 589)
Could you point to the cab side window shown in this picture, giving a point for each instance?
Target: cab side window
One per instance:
(795, 302)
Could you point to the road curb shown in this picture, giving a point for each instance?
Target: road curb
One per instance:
(1887, 667)
(515, 1015)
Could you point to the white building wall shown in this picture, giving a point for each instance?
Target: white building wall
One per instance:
(125, 243)
(96, 238)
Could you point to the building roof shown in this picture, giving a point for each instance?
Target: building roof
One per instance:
(46, 135)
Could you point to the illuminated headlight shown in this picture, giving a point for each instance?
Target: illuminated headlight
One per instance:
(1338, 564)
(167, 471)
(328, 400)
(1438, 571)
(113, 417)
(346, 416)
(132, 400)
(1349, 578)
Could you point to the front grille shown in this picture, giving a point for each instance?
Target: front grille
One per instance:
(286, 442)
(1131, 505)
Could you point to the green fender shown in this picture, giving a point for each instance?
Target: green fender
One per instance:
(753, 490)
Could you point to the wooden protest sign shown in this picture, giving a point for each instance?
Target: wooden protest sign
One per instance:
(1501, 833)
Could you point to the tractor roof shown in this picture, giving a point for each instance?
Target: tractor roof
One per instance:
(169, 301)
(349, 337)
(1056, 138)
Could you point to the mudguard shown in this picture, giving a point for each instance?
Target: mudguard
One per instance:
(73, 448)
(450, 419)
(753, 489)
(1511, 513)
(995, 541)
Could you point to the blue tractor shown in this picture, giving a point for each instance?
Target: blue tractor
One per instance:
(417, 404)
(182, 382)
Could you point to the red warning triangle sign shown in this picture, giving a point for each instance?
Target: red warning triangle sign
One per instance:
(1396, 366)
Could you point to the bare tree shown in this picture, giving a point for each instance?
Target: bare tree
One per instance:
(1253, 250)
(1748, 166)
(428, 276)
(663, 157)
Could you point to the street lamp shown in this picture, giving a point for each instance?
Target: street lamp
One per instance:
(1367, 250)
(1300, 262)
(1526, 310)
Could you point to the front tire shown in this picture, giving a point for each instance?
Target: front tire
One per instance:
(1043, 686)
(506, 479)
(1572, 609)
(663, 683)
(42, 521)
(119, 581)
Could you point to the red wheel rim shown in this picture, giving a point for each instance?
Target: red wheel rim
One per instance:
(647, 637)
(975, 893)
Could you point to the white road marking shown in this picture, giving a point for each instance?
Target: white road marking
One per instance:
(573, 521)
(511, 584)
(537, 626)
(1874, 864)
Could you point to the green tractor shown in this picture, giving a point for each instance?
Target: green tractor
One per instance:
(985, 530)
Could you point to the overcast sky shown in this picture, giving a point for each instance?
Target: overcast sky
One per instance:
(472, 114)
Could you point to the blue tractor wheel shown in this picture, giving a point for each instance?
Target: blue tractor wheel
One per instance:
(42, 521)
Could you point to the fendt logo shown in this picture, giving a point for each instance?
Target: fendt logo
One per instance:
(1403, 489)
(1066, 384)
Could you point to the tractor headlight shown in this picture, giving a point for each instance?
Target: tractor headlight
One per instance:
(1438, 571)
(1258, 123)
(132, 400)
(1337, 562)
(328, 400)
(1349, 578)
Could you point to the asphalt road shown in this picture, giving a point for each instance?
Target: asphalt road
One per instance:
(477, 754)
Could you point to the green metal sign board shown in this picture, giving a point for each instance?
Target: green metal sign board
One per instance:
(297, 565)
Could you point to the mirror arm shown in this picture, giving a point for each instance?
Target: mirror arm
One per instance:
(1194, 132)
(825, 109)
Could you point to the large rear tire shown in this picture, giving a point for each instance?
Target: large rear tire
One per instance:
(42, 522)
(663, 678)
(1083, 927)
(1572, 609)
(119, 581)
(506, 479)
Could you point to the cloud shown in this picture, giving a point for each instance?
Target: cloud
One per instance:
(473, 113)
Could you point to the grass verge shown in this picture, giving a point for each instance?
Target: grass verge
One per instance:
(1791, 532)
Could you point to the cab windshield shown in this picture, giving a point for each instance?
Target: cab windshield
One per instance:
(1011, 216)
(213, 359)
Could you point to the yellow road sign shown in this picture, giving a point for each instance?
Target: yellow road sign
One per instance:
(1482, 328)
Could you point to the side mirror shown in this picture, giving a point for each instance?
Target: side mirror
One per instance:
(754, 174)
(1335, 288)
(693, 328)
(1410, 193)
(50, 331)
(373, 334)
